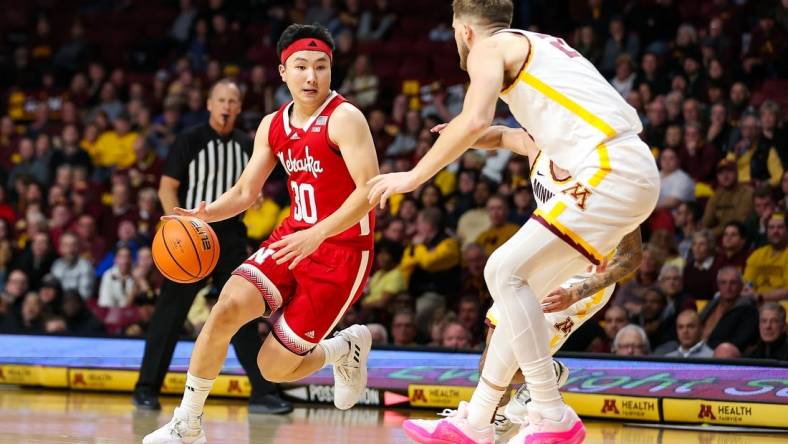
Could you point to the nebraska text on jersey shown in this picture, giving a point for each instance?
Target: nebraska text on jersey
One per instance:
(308, 164)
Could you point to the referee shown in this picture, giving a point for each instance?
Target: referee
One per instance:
(204, 162)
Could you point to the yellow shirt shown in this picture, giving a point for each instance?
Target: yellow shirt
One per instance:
(767, 269)
(493, 237)
(114, 150)
(773, 164)
(382, 282)
(261, 221)
(442, 257)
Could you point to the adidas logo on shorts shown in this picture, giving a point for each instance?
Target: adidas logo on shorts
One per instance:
(310, 334)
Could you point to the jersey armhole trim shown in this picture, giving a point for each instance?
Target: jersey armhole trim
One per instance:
(509, 87)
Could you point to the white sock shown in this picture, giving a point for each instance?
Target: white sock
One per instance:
(483, 403)
(334, 349)
(530, 344)
(543, 388)
(195, 394)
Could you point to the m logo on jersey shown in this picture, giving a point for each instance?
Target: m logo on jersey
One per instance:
(565, 327)
(308, 164)
(579, 193)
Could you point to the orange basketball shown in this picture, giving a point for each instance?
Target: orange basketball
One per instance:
(185, 249)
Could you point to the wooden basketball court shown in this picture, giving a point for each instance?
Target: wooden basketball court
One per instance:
(62, 417)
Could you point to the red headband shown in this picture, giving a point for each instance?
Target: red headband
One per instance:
(307, 44)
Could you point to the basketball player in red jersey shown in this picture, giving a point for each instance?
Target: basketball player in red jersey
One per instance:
(315, 265)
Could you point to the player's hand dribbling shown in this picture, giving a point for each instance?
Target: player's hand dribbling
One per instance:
(386, 185)
(200, 212)
(296, 246)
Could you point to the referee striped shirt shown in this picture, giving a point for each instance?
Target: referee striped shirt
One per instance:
(206, 163)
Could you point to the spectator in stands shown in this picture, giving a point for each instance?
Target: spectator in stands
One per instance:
(403, 328)
(615, 319)
(766, 272)
(676, 186)
(690, 340)
(697, 157)
(731, 201)
(700, 273)
(620, 42)
(631, 340)
(730, 316)
(587, 43)
(469, 315)
(727, 350)
(73, 272)
(686, 219)
(657, 317)
(117, 283)
(144, 313)
(500, 229)
(376, 23)
(671, 283)
(388, 280)
(405, 141)
(474, 221)
(115, 148)
(772, 343)
(51, 295)
(624, 79)
(16, 285)
(70, 153)
(630, 295)
(734, 251)
(472, 276)
(28, 319)
(431, 266)
(720, 129)
(36, 260)
(757, 160)
(455, 335)
(79, 319)
(773, 130)
(764, 205)
(361, 84)
(379, 334)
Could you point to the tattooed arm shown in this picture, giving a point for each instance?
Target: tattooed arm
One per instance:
(626, 259)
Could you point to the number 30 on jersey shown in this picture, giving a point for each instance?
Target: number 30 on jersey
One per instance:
(305, 208)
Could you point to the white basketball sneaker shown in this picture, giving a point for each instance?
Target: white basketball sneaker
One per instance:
(504, 428)
(350, 371)
(182, 429)
(517, 408)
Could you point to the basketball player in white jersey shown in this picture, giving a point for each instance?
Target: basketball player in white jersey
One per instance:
(579, 298)
(586, 128)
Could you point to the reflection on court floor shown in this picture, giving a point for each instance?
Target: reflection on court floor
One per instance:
(60, 417)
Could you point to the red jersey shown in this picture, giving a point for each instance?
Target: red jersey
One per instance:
(319, 181)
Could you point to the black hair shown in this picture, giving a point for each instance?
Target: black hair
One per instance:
(740, 227)
(393, 248)
(295, 32)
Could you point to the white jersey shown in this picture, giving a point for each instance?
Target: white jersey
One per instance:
(561, 99)
(544, 182)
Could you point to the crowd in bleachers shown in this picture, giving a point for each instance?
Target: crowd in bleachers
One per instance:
(92, 95)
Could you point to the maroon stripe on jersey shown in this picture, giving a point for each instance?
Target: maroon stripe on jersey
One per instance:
(566, 239)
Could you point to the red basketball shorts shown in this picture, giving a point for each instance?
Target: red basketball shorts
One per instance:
(314, 295)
